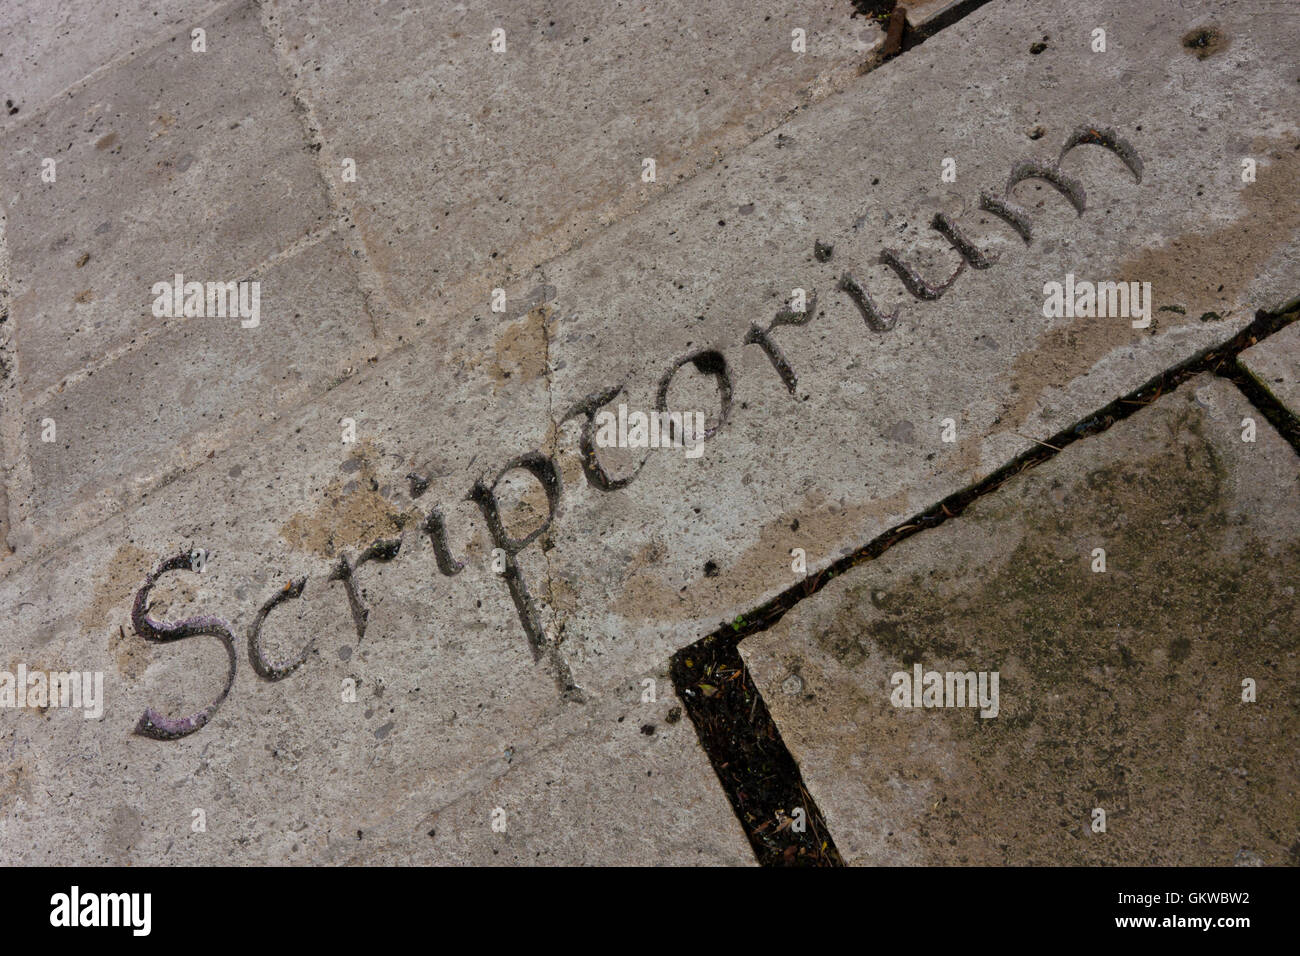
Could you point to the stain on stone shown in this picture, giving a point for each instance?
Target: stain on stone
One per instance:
(354, 513)
(15, 784)
(653, 551)
(765, 564)
(110, 607)
(845, 645)
(124, 831)
(904, 432)
(1205, 42)
(520, 351)
(523, 502)
(1192, 264)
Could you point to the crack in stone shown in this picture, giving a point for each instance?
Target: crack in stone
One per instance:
(556, 614)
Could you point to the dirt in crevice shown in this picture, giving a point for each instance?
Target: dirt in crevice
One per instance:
(757, 772)
(521, 349)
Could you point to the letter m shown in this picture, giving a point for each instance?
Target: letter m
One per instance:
(1116, 299)
(119, 905)
(66, 689)
(219, 293)
(962, 688)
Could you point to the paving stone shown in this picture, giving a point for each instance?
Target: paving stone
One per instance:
(172, 161)
(442, 693)
(51, 46)
(445, 681)
(172, 400)
(635, 789)
(822, 198)
(925, 13)
(690, 544)
(471, 162)
(1275, 364)
(1120, 690)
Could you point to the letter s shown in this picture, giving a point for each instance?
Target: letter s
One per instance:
(153, 724)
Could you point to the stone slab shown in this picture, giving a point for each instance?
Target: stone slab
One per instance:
(690, 544)
(1275, 364)
(51, 46)
(444, 677)
(923, 13)
(172, 161)
(52, 509)
(634, 789)
(472, 162)
(42, 509)
(178, 395)
(440, 697)
(1119, 690)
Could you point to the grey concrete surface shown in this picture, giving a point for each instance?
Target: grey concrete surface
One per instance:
(50, 47)
(1275, 364)
(172, 161)
(142, 417)
(249, 137)
(634, 789)
(474, 163)
(1119, 689)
